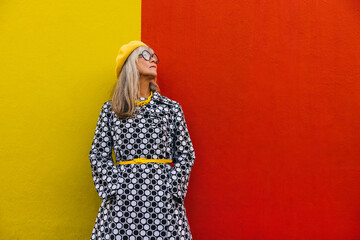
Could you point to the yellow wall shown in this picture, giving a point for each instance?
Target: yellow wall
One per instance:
(56, 70)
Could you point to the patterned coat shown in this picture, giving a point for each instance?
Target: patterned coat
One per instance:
(142, 201)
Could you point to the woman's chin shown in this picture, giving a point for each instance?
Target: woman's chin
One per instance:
(154, 74)
(150, 75)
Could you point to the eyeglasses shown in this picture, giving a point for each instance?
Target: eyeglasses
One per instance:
(147, 56)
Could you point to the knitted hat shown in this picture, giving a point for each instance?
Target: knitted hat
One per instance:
(123, 54)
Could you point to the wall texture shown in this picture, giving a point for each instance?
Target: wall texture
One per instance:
(57, 62)
(270, 91)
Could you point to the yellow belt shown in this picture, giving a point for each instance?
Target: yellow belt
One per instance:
(144, 160)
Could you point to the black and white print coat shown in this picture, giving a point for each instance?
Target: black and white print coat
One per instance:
(142, 201)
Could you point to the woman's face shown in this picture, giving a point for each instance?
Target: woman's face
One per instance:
(147, 68)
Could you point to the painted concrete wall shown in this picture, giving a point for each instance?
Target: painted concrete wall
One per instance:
(57, 62)
(271, 92)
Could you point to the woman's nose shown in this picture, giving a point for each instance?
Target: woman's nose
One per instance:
(153, 59)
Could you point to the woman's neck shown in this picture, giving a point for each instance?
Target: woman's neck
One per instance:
(144, 90)
(144, 94)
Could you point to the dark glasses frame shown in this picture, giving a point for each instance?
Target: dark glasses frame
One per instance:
(151, 56)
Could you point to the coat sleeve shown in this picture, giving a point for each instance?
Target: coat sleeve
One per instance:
(183, 156)
(104, 171)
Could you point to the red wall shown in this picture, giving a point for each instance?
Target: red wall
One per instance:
(270, 92)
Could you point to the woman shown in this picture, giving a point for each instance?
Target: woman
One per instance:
(142, 193)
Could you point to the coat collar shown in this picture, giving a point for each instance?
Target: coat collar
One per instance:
(158, 98)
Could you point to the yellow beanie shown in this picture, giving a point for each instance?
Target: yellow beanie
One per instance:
(123, 54)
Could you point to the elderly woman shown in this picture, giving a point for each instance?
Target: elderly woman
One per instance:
(144, 188)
